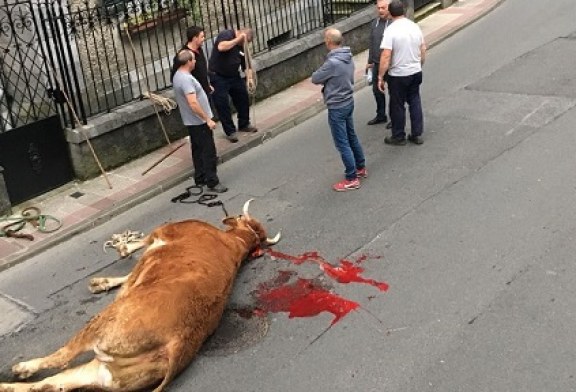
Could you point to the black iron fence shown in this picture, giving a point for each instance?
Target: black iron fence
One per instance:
(83, 58)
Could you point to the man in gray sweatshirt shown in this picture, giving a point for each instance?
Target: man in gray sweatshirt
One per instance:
(337, 77)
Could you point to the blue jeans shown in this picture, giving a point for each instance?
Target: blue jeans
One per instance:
(405, 90)
(345, 139)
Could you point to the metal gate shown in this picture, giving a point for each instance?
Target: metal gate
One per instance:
(33, 149)
(35, 158)
(33, 37)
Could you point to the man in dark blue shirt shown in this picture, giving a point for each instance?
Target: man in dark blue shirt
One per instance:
(224, 66)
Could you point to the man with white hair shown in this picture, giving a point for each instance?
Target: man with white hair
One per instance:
(377, 28)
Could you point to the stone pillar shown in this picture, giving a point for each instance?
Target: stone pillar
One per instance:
(409, 4)
(447, 3)
(5, 206)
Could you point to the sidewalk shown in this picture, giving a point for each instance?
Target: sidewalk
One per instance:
(80, 206)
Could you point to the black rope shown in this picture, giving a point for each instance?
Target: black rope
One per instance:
(204, 199)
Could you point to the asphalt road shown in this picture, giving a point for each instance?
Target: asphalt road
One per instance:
(473, 231)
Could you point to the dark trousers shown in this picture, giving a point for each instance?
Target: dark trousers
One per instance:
(405, 90)
(379, 96)
(203, 155)
(224, 89)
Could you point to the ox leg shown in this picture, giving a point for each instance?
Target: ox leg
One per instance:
(93, 374)
(98, 285)
(83, 341)
(59, 359)
(126, 249)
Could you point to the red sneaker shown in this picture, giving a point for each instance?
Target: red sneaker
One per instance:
(363, 173)
(346, 185)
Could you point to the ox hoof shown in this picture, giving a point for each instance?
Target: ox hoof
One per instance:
(98, 285)
(23, 370)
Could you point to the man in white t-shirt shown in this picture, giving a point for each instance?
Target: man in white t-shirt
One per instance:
(403, 53)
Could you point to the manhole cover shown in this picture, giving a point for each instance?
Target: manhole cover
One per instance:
(238, 330)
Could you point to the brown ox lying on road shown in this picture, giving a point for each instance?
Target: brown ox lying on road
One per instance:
(168, 305)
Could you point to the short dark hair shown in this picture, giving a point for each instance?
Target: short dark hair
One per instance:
(396, 8)
(192, 32)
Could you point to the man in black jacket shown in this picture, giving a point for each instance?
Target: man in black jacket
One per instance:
(194, 40)
(378, 26)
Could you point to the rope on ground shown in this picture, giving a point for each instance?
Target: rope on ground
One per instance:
(123, 239)
(41, 222)
(204, 199)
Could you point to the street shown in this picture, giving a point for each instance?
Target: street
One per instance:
(472, 231)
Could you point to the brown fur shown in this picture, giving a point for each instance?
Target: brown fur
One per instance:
(169, 304)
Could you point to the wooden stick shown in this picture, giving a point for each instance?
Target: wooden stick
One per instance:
(79, 124)
(164, 157)
(154, 100)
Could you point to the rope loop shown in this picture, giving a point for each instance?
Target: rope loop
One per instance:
(204, 199)
(166, 104)
(41, 222)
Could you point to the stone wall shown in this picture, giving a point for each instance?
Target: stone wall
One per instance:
(121, 136)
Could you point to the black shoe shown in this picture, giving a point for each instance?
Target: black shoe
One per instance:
(389, 125)
(394, 141)
(233, 137)
(416, 139)
(218, 188)
(249, 129)
(377, 120)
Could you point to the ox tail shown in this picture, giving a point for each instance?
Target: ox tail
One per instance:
(176, 356)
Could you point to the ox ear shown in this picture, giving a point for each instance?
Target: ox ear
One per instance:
(230, 221)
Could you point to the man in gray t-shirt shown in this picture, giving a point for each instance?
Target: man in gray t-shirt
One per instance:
(197, 116)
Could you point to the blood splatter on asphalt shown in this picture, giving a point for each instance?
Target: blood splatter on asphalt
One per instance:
(308, 297)
(346, 272)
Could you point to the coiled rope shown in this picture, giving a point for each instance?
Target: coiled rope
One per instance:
(41, 222)
(166, 104)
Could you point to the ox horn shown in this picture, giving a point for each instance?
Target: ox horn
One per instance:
(273, 241)
(245, 209)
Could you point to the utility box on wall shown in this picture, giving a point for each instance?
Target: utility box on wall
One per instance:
(35, 158)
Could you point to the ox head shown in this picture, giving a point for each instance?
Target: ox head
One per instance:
(251, 227)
